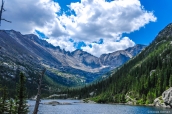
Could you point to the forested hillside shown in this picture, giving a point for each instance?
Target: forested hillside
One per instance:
(142, 79)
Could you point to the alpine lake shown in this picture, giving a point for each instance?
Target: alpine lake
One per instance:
(77, 107)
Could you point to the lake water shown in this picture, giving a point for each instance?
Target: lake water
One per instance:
(85, 108)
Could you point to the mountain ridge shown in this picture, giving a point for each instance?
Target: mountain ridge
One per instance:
(82, 67)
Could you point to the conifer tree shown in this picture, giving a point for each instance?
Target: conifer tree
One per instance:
(3, 101)
(21, 105)
(170, 81)
(10, 106)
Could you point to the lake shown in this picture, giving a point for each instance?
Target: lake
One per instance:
(85, 108)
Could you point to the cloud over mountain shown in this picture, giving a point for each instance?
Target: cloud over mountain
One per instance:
(86, 21)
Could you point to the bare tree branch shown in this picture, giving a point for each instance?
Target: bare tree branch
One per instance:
(6, 20)
(1, 11)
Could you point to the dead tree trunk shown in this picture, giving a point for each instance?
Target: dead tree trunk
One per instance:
(39, 92)
(2, 10)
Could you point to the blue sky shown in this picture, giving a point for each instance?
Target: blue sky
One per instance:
(145, 35)
(95, 26)
(161, 10)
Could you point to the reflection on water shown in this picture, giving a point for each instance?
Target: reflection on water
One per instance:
(83, 108)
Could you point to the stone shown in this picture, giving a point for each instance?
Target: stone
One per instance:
(167, 97)
(157, 102)
(53, 103)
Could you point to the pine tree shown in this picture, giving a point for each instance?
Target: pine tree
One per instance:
(3, 101)
(170, 81)
(10, 106)
(15, 107)
(21, 105)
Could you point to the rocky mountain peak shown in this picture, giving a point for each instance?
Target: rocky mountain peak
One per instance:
(135, 49)
(41, 42)
(166, 32)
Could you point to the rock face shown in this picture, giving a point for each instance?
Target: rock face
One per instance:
(167, 97)
(158, 102)
(165, 32)
(165, 100)
(86, 58)
(118, 58)
(130, 101)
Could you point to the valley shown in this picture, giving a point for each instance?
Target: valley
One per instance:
(29, 54)
(85, 57)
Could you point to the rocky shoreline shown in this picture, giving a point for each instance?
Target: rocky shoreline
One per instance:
(164, 101)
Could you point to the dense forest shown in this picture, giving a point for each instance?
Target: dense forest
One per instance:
(16, 105)
(31, 84)
(142, 79)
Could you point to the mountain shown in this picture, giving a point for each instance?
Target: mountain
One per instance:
(29, 54)
(118, 58)
(140, 80)
(86, 59)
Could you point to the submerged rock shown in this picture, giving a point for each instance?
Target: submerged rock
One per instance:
(87, 101)
(54, 103)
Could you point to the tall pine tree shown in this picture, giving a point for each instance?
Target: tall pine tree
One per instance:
(3, 101)
(21, 105)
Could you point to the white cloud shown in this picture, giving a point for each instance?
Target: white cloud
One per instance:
(93, 19)
(109, 46)
(28, 15)
(63, 42)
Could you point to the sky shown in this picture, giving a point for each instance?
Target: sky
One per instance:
(95, 26)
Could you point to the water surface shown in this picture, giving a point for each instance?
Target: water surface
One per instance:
(85, 108)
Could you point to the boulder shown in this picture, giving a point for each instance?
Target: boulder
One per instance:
(130, 101)
(53, 103)
(87, 101)
(167, 97)
(157, 102)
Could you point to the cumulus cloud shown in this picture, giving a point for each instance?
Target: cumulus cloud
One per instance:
(109, 46)
(90, 21)
(30, 15)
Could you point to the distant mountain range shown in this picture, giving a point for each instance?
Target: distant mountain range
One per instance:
(28, 53)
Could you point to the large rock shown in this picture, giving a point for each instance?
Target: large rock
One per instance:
(158, 102)
(167, 97)
(54, 103)
(130, 101)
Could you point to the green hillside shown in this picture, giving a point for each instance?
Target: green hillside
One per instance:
(141, 80)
